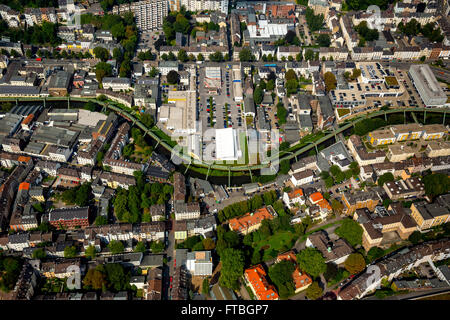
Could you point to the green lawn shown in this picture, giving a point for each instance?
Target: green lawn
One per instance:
(342, 112)
(277, 241)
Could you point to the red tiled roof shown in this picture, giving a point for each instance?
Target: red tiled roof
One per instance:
(24, 186)
(296, 193)
(249, 219)
(316, 197)
(257, 278)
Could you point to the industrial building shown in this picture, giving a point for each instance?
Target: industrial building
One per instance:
(227, 144)
(426, 84)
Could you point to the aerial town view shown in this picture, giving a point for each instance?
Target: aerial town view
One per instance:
(224, 150)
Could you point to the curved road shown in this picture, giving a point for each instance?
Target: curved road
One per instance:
(274, 160)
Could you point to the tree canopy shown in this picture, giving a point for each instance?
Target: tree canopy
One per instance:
(366, 33)
(246, 54)
(314, 22)
(102, 69)
(386, 177)
(436, 184)
(173, 77)
(314, 291)
(232, 268)
(330, 81)
(116, 246)
(70, 252)
(355, 263)
(281, 275)
(324, 40)
(311, 261)
(351, 231)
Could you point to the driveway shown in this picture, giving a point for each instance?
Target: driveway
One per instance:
(244, 293)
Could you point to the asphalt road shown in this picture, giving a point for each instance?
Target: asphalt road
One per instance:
(170, 253)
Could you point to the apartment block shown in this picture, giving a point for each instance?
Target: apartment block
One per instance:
(402, 189)
(360, 199)
(255, 278)
(428, 215)
(251, 221)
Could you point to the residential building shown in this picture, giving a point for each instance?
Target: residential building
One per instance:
(203, 226)
(428, 215)
(116, 84)
(294, 197)
(69, 217)
(180, 230)
(402, 189)
(251, 221)
(158, 212)
(359, 199)
(379, 227)
(302, 177)
(438, 149)
(394, 265)
(185, 211)
(336, 251)
(360, 153)
(301, 280)
(199, 263)
(255, 278)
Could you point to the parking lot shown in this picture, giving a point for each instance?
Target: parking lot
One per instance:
(225, 112)
(414, 98)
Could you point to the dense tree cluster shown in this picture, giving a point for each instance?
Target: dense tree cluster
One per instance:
(79, 195)
(102, 69)
(365, 126)
(314, 291)
(110, 276)
(146, 55)
(352, 76)
(281, 275)
(330, 81)
(20, 5)
(355, 263)
(338, 176)
(10, 268)
(312, 262)
(281, 110)
(129, 204)
(436, 184)
(351, 231)
(291, 82)
(315, 22)
(289, 39)
(366, 33)
(176, 22)
(173, 77)
(217, 57)
(429, 30)
(70, 252)
(246, 55)
(363, 4)
(324, 40)
(386, 177)
(232, 268)
(44, 34)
